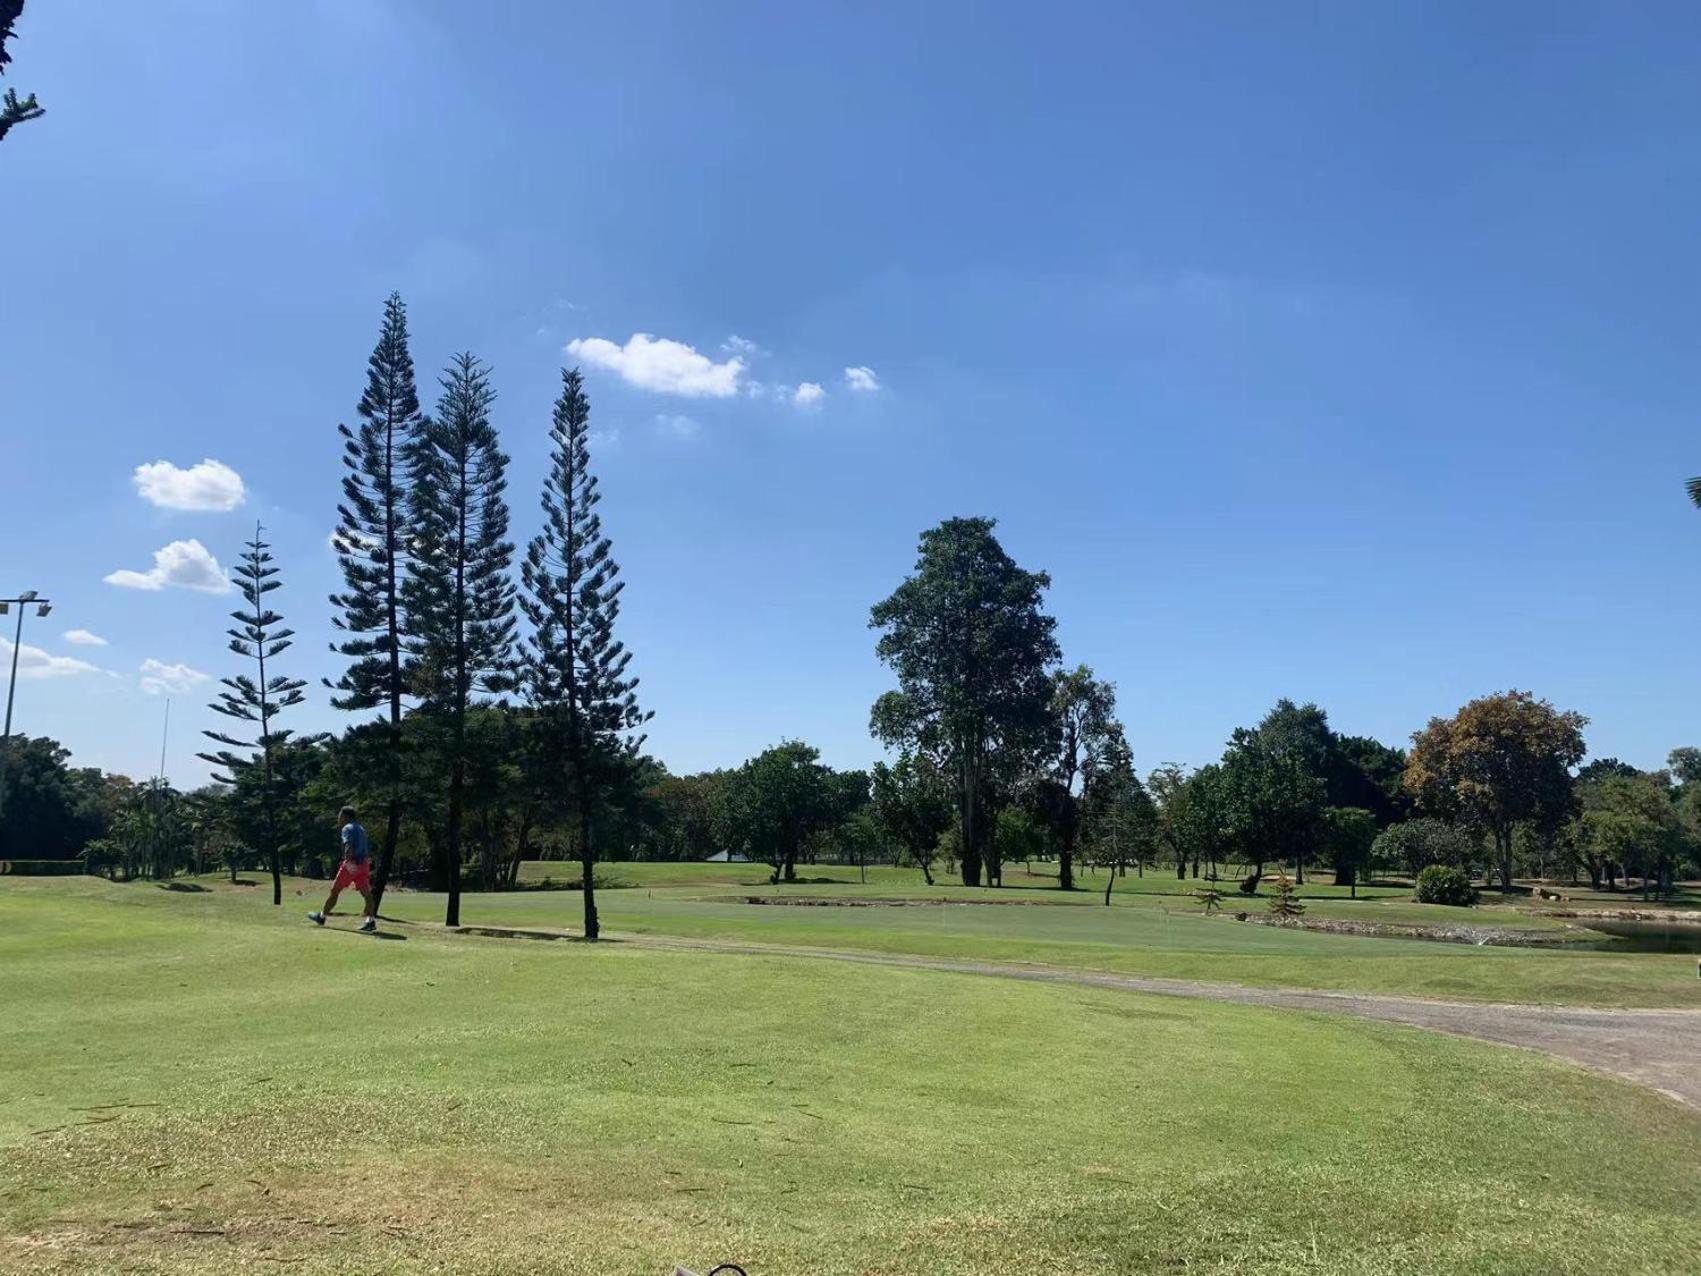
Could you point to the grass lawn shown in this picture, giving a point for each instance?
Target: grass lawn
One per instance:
(1150, 929)
(318, 1101)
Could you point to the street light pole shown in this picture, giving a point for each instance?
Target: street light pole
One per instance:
(22, 603)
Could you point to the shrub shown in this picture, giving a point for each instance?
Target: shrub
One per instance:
(1444, 884)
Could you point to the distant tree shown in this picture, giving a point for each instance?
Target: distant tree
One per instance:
(575, 669)
(1084, 726)
(1370, 776)
(1190, 815)
(1502, 760)
(1413, 845)
(1119, 821)
(915, 805)
(1348, 833)
(260, 637)
(972, 650)
(1017, 837)
(1602, 768)
(1272, 802)
(1629, 820)
(371, 541)
(13, 109)
(459, 598)
(774, 803)
(1685, 764)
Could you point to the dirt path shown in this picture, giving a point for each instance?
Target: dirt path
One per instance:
(1656, 1048)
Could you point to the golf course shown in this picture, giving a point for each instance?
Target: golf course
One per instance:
(200, 1082)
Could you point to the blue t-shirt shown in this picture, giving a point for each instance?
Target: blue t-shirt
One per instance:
(354, 843)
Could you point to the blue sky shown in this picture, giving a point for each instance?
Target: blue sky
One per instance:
(1338, 351)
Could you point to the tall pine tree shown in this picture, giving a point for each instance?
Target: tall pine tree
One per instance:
(458, 595)
(257, 636)
(371, 542)
(575, 669)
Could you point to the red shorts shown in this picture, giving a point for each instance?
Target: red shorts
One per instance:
(358, 876)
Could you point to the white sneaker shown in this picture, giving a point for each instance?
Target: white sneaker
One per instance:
(368, 926)
(318, 919)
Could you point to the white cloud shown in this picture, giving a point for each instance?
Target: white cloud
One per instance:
(736, 344)
(808, 395)
(678, 427)
(606, 440)
(863, 379)
(33, 662)
(181, 564)
(157, 677)
(667, 367)
(83, 638)
(211, 485)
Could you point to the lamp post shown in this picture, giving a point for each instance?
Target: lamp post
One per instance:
(22, 602)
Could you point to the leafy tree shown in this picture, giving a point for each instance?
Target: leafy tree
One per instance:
(1348, 833)
(258, 636)
(1084, 712)
(1685, 764)
(1272, 803)
(1370, 775)
(971, 648)
(1444, 884)
(1414, 845)
(371, 541)
(1630, 820)
(773, 803)
(1119, 820)
(575, 669)
(1502, 760)
(13, 109)
(915, 805)
(459, 598)
(51, 808)
(1190, 814)
(1016, 836)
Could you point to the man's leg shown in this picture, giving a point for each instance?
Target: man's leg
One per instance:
(331, 900)
(371, 909)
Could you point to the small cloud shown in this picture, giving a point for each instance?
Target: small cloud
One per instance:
(157, 677)
(678, 427)
(607, 440)
(667, 367)
(736, 344)
(181, 565)
(83, 638)
(211, 485)
(808, 395)
(33, 662)
(862, 379)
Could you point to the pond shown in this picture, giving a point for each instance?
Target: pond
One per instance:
(1644, 936)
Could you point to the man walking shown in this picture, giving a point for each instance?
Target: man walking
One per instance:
(355, 870)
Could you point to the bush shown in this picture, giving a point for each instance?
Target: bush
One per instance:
(1444, 884)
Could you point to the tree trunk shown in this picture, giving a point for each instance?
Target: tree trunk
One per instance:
(277, 876)
(1109, 881)
(452, 852)
(926, 873)
(387, 852)
(1066, 864)
(1503, 851)
(587, 861)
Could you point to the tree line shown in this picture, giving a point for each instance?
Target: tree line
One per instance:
(500, 723)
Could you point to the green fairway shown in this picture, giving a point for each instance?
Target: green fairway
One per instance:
(1154, 927)
(196, 1081)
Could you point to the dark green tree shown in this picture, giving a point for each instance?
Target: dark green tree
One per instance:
(458, 596)
(915, 804)
(258, 636)
(1119, 820)
(13, 109)
(575, 669)
(52, 809)
(1272, 802)
(1347, 834)
(972, 650)
(372, 544)
(774, 803)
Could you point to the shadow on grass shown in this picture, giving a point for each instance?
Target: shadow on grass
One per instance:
(508, 932)
(186, 888)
